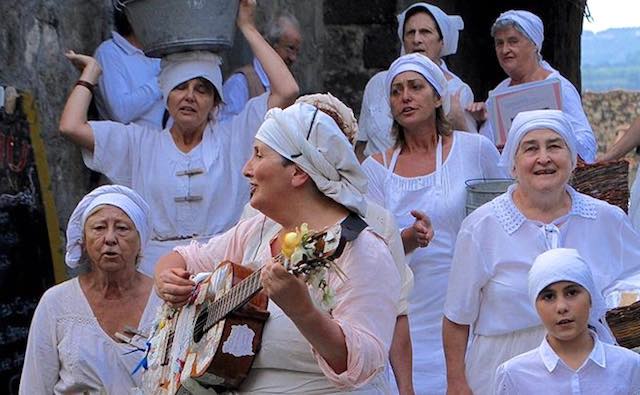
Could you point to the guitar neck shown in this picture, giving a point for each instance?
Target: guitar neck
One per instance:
(233, 299)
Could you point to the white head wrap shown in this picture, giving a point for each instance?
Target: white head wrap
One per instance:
(530, 23)
(180, 67)
(312, 139)
(449, 25)
(566, 264)
(327, 102)
(114, 195)
(528, 121)
(424, 66)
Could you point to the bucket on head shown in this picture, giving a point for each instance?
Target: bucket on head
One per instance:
(168, 26)
(483, 190)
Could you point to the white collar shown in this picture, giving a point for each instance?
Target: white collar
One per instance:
(511, 218)
(257, 66)
(124, 44)
(551, 359)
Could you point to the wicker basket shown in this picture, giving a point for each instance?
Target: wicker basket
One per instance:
(625, 324)
(608, 181)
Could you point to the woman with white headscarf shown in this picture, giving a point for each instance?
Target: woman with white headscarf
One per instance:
(498, 242)
(577, 344)
(76, 337)
(518, 37)
(422, 28)
(303, 170)
(421, 180)
(189, 173)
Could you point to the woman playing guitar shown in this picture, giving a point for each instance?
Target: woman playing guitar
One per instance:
(303, 170)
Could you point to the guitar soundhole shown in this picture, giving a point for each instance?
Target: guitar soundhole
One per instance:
(199, 328)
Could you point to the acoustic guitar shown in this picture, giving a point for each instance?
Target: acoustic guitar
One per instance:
(210, 343)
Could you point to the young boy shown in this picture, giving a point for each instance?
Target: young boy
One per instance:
(574, 357)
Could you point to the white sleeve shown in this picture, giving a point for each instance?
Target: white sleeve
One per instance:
(115, 150)
(375, 173)
(40, 371)
(572, 107)
(123, 102)
(366, 118)
(236, 95)
(488, 160)
(625, 269)
(503, 384)
(468, 276)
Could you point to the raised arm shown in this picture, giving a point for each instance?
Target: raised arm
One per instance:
(73, 122)
(284, 89)
(629, 141)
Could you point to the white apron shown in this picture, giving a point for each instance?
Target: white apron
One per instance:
(432, 194)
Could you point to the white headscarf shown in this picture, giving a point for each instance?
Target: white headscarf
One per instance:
(328, 102)
(529, 22)
(312, 139)
(114, 195)
(423, 65)
(528, 121)
(180, 67)
(566, 264)
(449, 25)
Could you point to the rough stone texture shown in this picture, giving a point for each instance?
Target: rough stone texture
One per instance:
(381, 47)
(33, 37)
(358, 12)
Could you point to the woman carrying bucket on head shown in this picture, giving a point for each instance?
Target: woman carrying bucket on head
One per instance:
(190, 173)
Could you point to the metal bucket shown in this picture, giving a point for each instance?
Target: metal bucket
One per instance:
(167, 26)
(483, 190)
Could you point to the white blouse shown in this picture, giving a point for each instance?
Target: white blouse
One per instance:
(68, 352)
(196, 194)
(609, 369)
(497, 245)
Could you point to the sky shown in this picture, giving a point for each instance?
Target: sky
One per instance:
(607, 14)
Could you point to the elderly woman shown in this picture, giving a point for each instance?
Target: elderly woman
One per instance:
(518, 37)
(189, 173)
(422, 28)
(499, 241)
(421, 178)
(75, 337)
(303, 170)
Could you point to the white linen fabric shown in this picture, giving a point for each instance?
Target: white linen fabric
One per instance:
(607, 370)
(196, 194)
(425, 67)
(374, 125)
(497, 245)
(313, 140)
(566, 264)
(442, 196)
(365, 309)
(450, 26)
(530, 23)
(236, 90)
(528, 121)
(68, 352)
(572, 108)
(114, 195)
(180, 67)
(128, 89)
(634, 206)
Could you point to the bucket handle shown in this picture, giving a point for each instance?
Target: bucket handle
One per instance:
(473, 181)
(119, 5)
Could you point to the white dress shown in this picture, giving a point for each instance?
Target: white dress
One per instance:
(69, 353)
(442, 196)
(191, 195)
(495, 248)
(609, 369)
(375, 122)
(571, 106)
(634, 207)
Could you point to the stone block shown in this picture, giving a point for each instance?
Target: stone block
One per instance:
(347, 85)
(380, 47)
(359, 12)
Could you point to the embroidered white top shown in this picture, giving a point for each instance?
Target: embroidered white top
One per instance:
(497, 244)
(375, 122)
(236, 90)
(68, 352)
(608, 370)
(128, 89)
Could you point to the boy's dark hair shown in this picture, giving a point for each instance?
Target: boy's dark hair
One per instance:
(121, 23)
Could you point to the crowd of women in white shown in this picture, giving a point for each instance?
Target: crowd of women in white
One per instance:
(423, 136)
